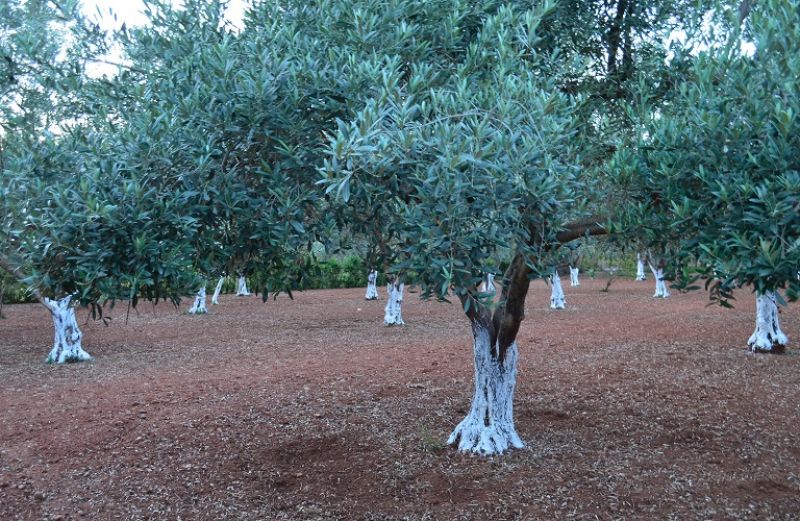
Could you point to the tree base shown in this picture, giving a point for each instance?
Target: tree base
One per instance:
(474, 436)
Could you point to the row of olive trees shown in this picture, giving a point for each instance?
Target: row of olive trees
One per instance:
(449, 135)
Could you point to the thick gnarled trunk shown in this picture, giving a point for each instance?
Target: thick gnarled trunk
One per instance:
(557, 300)
(241, 288)
(372, 286)
(574, 281)
(768, 337)
(488, 428)
(199, 306)
(67, 343)
(640, 274)
(393, 315)
(217, 291)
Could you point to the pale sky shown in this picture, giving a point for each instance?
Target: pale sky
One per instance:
(131, 13)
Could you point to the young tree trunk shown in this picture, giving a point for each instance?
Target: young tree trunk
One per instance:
(640, 275)
(557, 300)
(488, 428)
(241, 290)
(67, 342)
(199, 306)
(573, 277)
(217, 290)
(393, 312)
(661, 287)
(372, 287)
(768, 337)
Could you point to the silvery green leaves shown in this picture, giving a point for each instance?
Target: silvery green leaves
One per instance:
(471, 168)
(720, 160)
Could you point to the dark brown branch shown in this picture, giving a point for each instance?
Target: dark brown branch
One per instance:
(583, 228)
(614, 33)
(511, 312)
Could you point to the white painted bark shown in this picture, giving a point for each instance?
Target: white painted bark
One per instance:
(768, 337)
(488, 428)
(557, 300)
(199, 307)
(574, 281)
(217, 290)
(661, 286)
(640, 274)
(67, 342)
(241, 290)
(487, 286)
(393, 313)
(372, 287)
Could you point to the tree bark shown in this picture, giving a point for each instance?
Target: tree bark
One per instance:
(557, 300)
(217, 290)
(640, 274)
(487, 286)
(242, 290)
(67, 342)
(372, 287)
(658, 274)
(574, 281)
(199, 307)
(393, 315)
(488, 428)
(768, 337)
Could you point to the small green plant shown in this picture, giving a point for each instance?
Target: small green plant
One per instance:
(429, 442)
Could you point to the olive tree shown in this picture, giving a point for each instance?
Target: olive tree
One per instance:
(479, 165)
(719, 159)
(81, 224)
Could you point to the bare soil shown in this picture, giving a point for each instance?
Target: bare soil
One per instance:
(631, 408)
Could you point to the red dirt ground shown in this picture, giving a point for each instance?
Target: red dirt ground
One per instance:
(631, 408)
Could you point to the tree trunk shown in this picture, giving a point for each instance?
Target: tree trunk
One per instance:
(488, 428)
(217, 290)
(768, 337)
(557, 300)
(640, 274)
(661, 287)
(67, 342)
(573, 277)
(199, 307)
(372, 287)
(487, 286)
(242, 287)
(393, 313)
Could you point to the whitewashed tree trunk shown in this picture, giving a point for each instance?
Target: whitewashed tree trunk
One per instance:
(487, 286)
(372, 287)
(217, 290)
(640, 274)
(241, 290)
(488, 428)
(661, 286)
(199, 306)
(557, 300)
(768, 337)
(393, 313)
(574, 281)
(67, 342)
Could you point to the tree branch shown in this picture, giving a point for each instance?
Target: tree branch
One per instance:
(582, 228)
